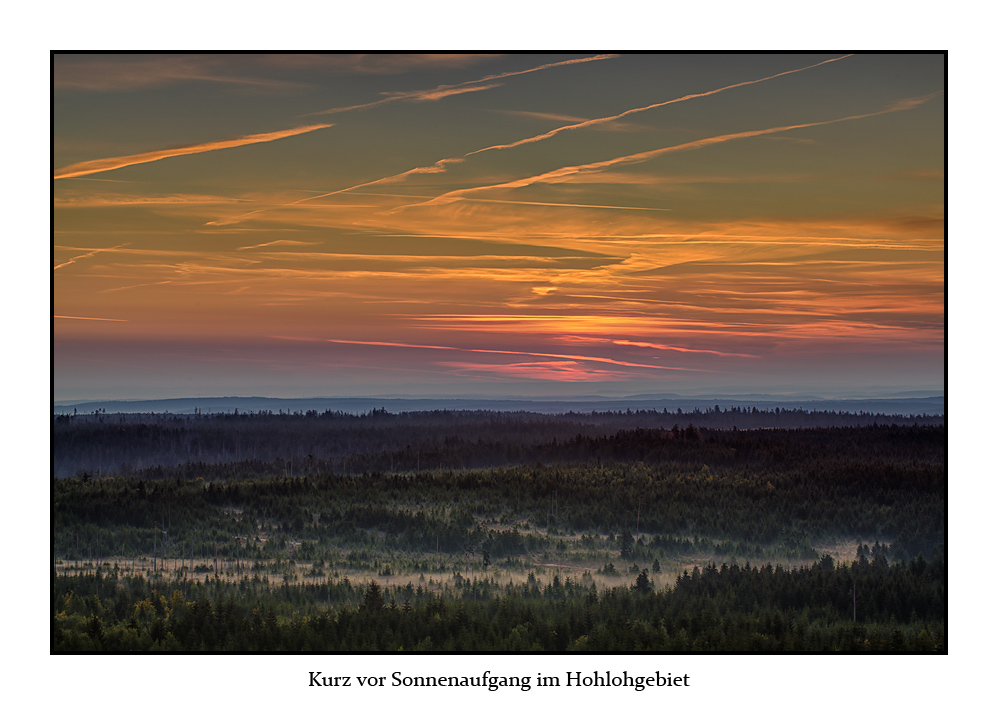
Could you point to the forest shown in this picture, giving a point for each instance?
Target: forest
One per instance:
(101, 443)
(717, 530)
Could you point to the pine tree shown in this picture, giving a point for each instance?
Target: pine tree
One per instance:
(626, 544)
(643, 584)
(373, 599)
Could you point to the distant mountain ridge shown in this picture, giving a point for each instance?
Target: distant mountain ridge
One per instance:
(927, 405)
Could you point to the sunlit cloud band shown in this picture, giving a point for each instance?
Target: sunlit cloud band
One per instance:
(99, 165)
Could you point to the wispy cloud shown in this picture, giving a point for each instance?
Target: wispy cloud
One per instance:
(557, 356)
(115, 199)
(266, 71)
(604, 120)
(553, 117)
(568, 173)
(136, 286)
(429, 94)
(614, 126)
(442, 91)
(663, 180)
(575, 323)
(277, 242)
(568, 62)
(93, 318)
(438, 167)
(99, 165)
(89, 253)
(374, 63)
(120, 73)
(447, 90)
(111, 181)
(548, 370)
(418, 95)
(565, 205)
(676, 348)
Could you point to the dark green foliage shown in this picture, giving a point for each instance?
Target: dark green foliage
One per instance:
(643, 584)
(626, 542)
(713, 495)
(902, 607)
(373, 599)
(739, 491)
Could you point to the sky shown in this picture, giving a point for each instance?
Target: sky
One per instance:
(528, 225)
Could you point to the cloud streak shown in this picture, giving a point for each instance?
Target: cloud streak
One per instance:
(93, 318)
(441, 93)
(566, 205)
(97, 166)
(122, 74)
(438, 167)
(431, 94)
(137, 72)
(277, 242)
(604, 120)
(556, 356)
(112, 200)
(675, 348)
(568, 173)
(548, 370)
(444, 91)
(90, 253)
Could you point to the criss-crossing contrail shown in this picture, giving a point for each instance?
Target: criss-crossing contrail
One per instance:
(441, 165)
(632, 111)
(438, 167)
(419, 95)
(89, 253)
(458, 88)
(566, 173)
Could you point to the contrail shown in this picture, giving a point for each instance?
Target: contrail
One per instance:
(91, 318)
(98, 165)
(444, 91)
(566, 173)
(427, 94)
(91, 253)
(611, 118)
(276, 242)
(439, 166)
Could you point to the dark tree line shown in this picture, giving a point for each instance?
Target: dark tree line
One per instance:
(108, 444)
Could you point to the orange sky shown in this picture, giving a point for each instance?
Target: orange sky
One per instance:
(498, 225)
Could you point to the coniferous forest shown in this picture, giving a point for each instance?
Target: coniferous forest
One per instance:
(716, 530)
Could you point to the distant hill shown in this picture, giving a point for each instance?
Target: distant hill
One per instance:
(928, 405)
